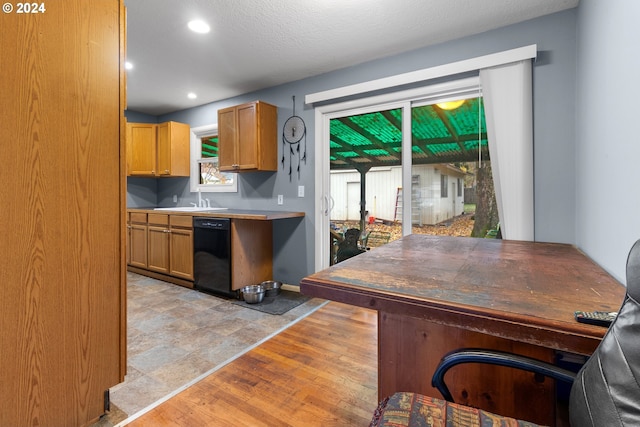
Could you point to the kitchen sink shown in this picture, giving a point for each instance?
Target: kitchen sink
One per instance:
(189, 209)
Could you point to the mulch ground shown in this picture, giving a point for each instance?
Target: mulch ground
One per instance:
(460, 226)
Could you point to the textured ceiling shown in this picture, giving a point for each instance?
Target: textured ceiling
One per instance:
(254, 44)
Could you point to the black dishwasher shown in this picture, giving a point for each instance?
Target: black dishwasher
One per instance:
(212, 255)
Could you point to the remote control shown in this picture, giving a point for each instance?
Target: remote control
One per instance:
(600, 318)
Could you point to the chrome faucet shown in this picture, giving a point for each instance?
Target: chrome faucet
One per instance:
(202, 203)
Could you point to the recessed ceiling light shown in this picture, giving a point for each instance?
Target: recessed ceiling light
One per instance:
(198, 26)
(192, 95)
(128, 65)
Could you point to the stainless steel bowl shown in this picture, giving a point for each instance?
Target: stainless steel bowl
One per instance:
(253, 294)
(271, 287)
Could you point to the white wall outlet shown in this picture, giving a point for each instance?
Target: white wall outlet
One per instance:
(300, 190)
(175, 198)
(280, 199)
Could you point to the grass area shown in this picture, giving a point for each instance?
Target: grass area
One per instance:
(469, 208)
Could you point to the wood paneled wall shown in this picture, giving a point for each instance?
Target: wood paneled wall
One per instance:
(61, 212)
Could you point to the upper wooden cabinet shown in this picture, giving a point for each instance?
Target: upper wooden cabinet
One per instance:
(141, 148)
(247, 137)
(158, 150)
(173, 149)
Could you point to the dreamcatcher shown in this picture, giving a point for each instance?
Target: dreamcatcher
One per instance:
(293, 132)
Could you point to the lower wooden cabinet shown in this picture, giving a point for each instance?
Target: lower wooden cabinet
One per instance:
(181, 247)
(251, 252)
(137, 240)
(163, 244)
(158, 248)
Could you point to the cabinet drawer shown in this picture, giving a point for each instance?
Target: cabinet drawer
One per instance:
(183, 221)
(138, 217)
(158, 219)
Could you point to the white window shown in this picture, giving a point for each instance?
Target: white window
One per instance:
(205, 175)
(444, 186)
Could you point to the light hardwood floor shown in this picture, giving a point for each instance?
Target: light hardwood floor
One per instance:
(322, 371)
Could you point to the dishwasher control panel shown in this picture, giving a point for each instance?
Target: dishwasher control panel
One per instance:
(218, 224)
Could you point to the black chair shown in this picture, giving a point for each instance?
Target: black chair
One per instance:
(604, 393)
(349, 246)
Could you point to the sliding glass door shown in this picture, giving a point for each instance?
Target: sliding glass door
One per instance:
(449, 142)
(391, 168)
(365, 158)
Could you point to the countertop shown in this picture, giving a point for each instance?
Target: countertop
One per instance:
(227, 213)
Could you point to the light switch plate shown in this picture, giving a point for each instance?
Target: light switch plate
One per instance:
(280, 199)
(300, 190)
(175, 198)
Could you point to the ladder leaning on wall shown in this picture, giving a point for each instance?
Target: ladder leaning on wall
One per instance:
(416, 217)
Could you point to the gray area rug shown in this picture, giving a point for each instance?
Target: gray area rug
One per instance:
(278, 304)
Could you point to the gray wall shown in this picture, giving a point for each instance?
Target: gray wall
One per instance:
(607, 147)
(562, 167)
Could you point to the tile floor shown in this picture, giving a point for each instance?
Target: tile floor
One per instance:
(176, 335)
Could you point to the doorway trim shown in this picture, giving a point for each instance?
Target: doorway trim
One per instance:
(449, 70)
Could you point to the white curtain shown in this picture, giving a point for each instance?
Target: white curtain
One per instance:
(507, 92)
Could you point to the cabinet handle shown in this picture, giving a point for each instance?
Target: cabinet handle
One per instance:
(166, 171)
(153, 172)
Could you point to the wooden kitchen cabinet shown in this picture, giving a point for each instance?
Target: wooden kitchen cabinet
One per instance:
(167, 245)
(159, 150)
(181, 246)
(247, 137)
(173, 149)
(158, 243)
(141, 148)
(137, 240)
(251, 252)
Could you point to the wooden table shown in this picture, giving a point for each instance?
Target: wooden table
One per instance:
(435, 294)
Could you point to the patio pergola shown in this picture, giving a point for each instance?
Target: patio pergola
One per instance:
(439, 135)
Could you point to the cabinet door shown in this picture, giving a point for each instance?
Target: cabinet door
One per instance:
(181, 253)
(267, 136)
(158, 249)
(247, 129)
(174, 149)
(164, 149)
(141, 148)
(251, 252)
(227, 139)
(138, 245)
